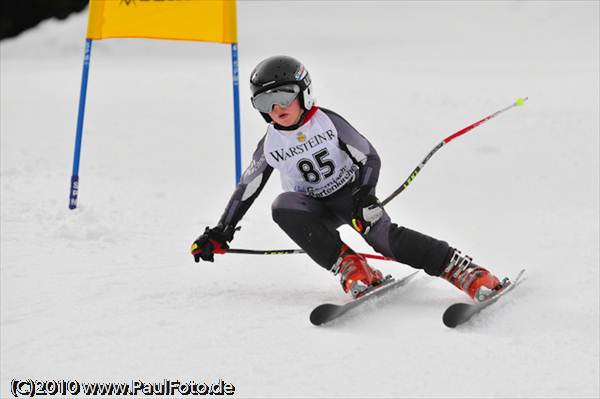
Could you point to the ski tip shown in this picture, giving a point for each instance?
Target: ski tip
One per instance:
(519, 276)
(521, 101)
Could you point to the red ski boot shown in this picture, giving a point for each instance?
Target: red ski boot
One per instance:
(473, 279)
(356, 274)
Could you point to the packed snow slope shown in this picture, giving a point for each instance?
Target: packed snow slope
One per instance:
(109, 292)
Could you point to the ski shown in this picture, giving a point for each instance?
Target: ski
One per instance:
(327, 312)
(460, 313)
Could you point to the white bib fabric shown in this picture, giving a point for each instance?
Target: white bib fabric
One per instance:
(309, 159)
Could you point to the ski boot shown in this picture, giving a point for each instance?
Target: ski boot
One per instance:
(356, 275)
(474, 280)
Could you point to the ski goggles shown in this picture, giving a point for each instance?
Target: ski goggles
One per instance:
(282, 95)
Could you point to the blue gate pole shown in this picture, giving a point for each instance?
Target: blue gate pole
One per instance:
(236, 112)
(82, 94)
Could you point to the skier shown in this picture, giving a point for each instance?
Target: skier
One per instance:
(329, 173)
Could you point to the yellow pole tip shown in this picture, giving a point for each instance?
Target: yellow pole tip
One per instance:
(520, 101)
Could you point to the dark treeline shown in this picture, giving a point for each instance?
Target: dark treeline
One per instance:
(17, 16)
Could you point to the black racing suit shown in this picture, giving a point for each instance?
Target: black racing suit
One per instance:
(312, 222)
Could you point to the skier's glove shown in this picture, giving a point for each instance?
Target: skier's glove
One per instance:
(213, 241)
(367, 209)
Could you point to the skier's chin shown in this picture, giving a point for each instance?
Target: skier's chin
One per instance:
(284, 120)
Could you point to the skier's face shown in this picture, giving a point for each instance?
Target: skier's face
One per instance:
(287, 116)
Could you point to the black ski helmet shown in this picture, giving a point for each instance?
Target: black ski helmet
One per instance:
(278, 71)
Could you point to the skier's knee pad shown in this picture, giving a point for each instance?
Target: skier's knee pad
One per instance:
(303, 221)
(289, 201)
(321, 243)
(419, 250)
(290, 204)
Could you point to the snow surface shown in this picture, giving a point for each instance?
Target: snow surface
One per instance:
(110, 291)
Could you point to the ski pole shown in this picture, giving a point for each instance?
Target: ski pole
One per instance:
(289, 252)
(519, 102)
